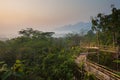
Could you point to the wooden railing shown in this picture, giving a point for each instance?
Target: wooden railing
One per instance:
(101, 72)
(101, 46)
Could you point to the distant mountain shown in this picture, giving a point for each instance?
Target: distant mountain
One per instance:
(3, 39)
(78, 27)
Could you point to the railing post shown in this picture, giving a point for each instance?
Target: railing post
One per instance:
(98, 54)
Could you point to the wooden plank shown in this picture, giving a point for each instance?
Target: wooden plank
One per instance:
(102, 71)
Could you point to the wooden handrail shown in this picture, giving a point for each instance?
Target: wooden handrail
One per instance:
(103, 69)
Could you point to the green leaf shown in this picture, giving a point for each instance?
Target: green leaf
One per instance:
(2, 62)
(6, 75)
(18, 74)
(118, 73)
(117, 61)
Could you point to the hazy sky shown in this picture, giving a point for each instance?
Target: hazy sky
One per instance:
(48, 14)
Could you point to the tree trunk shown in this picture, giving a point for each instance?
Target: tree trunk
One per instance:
(98, 42)
(114, 39)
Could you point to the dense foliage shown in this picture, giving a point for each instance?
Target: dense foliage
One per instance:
(36, 55)
(107, 27)
(107, 31)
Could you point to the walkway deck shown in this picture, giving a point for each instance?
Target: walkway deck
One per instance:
(98, 70)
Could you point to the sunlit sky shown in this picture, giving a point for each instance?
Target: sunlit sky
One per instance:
(46, 15)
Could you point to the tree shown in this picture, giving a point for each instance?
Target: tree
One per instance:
(89, 38)
(109, 24)
(30, 33)
(73, 39)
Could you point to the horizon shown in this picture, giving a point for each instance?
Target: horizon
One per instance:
(48, 15)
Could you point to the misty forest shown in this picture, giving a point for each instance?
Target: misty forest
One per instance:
(38, 55)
